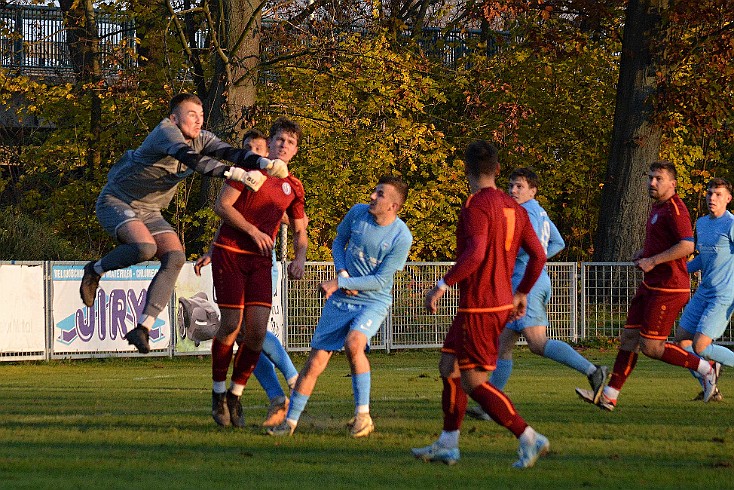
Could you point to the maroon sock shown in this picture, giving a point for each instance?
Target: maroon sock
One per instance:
(244, 364)
(678, 357)
(623, 367)
(499, 407)
(453, 402)
(221, 357)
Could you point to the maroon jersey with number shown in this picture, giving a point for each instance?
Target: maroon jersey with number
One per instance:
(264, 209)
(668, 224)
(492, 227)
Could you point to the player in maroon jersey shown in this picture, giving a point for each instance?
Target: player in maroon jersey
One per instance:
(491, 229)
(665, 289)
(241, 268)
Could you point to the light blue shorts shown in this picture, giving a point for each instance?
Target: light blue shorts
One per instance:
(339, 318)
(707, 316)
(536, 315)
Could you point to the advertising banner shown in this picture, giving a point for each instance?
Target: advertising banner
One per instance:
(22, 310)
(101, 328)
(197, 315)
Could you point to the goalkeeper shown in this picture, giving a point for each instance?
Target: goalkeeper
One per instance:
(142, 183)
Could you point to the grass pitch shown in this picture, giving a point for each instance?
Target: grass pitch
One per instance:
(145, 423)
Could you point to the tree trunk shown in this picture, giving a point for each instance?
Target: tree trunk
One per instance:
(635, 139)
(232, 92)
(83, 41)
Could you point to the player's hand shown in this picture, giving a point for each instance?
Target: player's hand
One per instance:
(519, 306)
(296, 269)
(263, 242)
(329, 287)
(350, 292)
(646, 264)
(431, 302)
(253, 179)
(276, 168)
(202, 261)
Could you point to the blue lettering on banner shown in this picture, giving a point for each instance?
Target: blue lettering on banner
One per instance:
(111, 316)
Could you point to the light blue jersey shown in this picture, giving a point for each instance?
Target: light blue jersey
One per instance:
(371, 254)
(539, 296)
(710, 308)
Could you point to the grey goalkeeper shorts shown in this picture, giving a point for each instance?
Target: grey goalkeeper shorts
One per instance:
(113, 213)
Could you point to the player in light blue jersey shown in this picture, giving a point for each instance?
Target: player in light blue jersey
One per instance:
(707, 314)
(523, 188)
(372, 243)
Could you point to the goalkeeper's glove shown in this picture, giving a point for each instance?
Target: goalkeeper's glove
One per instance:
(253, 179)
(277, 168)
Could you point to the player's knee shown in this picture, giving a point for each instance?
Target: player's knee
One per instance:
(537, 347)
(173, 260)
(653, 350)
(144, 251)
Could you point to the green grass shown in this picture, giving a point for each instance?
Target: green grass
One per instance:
(145, 423)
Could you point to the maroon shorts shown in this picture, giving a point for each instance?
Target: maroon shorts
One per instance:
(653, 311)
(473, 338)
(241, 279)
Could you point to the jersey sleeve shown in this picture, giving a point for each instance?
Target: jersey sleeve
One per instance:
(297, 208)
(681, 220)
(339, 245)
(532, 246)
(556, 243)
(393, 261)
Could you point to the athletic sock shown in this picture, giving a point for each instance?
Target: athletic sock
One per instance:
(624, 364)
(267, 377)
(676, 356)
(147, 321)
(499, 407)
(449, 439)
(278, 356)
(453, 403)
(720, 354)
(361, 385)
(221, 358)
(244, 364)
(502, 373)
(563, 353)
(236, 389)
(219, 386)
(161, 287)
(298, 404)
(528, 436)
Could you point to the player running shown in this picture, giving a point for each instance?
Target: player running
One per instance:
(523, 188)
(664, 291)
(707, 315)
(491, 229)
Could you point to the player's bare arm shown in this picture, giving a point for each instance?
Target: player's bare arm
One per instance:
(300, 245)
(683, 248)
(432, 298)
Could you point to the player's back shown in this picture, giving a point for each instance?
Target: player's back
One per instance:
(494, 217)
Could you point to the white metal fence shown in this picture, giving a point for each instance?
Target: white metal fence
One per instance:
(589, 300)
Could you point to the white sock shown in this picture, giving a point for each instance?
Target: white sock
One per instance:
(611, 393)
(592, 369)
(219, 386)
(703, 367)
(361, 409)
(449, 439)
(237, 389)
(527, 436)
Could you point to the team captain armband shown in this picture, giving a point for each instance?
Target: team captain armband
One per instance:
(442, 285)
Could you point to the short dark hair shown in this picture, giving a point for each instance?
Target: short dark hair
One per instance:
(178, 99)
(481, 157)
(254, 134)
(664, 165)
(397, 184)
(528, 174)
(286, 125)
(719, 182)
